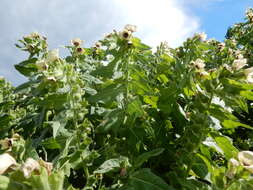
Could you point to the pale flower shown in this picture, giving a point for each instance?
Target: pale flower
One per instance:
(53, 79)
(203, 73)
(29, 166)
(42, 65)
(125, 34)
(6, 161)
(131, 28)
(221, 46)
(202, 36)
(33, 35)
(232, 167)
(239, 63)
(246, 160)
(76, 42)
(80, 50)
(249, 74)
(6, 143)
(227, 67)
(97, 45)
(53, 55)
(249, 14)
(199, 64)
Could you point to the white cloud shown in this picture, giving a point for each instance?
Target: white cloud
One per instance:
(159, 20)
(62, 20)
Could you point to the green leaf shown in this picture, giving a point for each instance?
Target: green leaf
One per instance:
(56, 180)
(55, 125)
(145, 179)
(137, 43)
(112, 165)
(27, 67)
(247, 94)
(107, 94)
(4, 182)
(145, 156)
(135, 107)
(229, 124)
(200, 169)
(226, 145)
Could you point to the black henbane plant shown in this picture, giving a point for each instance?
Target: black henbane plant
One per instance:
(121, 116)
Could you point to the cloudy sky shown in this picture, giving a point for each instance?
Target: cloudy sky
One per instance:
(157, 20)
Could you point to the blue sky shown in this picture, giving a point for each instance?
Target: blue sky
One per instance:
(63, 20)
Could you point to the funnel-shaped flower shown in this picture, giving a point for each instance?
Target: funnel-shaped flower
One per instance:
(249, 74)
(29, 166)
(246, 159)
(76, 42)
(6, 161)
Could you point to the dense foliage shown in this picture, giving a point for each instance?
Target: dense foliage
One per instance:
(121, 115)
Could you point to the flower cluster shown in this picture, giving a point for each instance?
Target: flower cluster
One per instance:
(245, 159)
(127, 32)
(240, 62)
(8, 162)
(77, 42)
(43, 64)
(200, 66)
(201, 36)
(249, 14)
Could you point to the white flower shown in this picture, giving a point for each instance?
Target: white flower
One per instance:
(76, 42)
(29, 166)
(203, 73)
(239, 63)
(53, 79)
(42, 65)
(6, 161)
(221, 46)
(249, 74)
(249, 14)
(33, 35)
(97, 45)
(199, 64)
(232, 167)
(125, 34)
(131, 28)
(202, 36)
(227, 67)
(246, 160)
(6, 143)
(53, 55)
(80, 50)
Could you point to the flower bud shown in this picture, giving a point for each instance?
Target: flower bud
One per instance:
(232, 167)
(53, 55)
